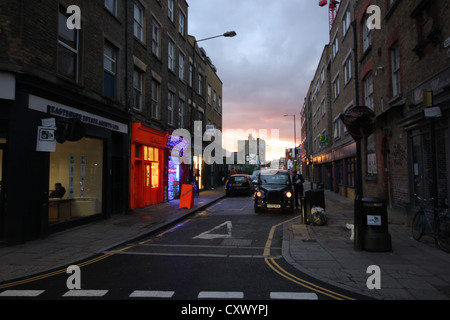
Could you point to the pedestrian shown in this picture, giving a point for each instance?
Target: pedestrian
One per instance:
(59, 192)
(297, 180)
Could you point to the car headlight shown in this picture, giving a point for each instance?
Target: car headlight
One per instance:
(289, 194)
(259, 194)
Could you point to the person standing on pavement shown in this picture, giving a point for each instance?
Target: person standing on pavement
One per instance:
(297, 180)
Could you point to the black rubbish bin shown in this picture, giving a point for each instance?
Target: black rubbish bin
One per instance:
(313, 198)
(376, 231)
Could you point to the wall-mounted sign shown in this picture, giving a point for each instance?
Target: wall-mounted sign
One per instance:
(60, 110)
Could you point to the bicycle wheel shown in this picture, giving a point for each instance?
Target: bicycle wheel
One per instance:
(417, 225)
(443, 234)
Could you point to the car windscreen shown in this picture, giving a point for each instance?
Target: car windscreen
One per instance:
(238, 179)
(274, 179)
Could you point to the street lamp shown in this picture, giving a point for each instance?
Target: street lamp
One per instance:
(228, 34)
(295, 139)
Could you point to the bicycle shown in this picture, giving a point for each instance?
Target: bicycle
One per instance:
(434, 221)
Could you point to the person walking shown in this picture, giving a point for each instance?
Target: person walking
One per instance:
(297, 180)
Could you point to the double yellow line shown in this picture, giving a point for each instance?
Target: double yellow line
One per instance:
(270, 261)
(54, 273)
(309, 285)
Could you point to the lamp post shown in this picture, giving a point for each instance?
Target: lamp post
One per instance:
(228, 34)
(295, 139)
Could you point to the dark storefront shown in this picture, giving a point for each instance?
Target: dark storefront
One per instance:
(92, 170)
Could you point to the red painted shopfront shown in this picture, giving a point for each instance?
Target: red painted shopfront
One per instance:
(148, 166)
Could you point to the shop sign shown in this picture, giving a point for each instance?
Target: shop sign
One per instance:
(46, 136)
(57, 109)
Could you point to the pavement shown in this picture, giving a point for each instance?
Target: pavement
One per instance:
(411, 271)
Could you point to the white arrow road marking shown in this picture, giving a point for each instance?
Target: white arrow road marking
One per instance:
(209, 235)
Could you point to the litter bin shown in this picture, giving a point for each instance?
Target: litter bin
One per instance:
(376, 231)
(312, 198)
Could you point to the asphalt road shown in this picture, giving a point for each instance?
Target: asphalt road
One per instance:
(215, 256)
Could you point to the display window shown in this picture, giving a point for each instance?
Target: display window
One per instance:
(76, 180)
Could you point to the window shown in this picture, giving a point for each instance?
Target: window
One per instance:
(348, 70)
(170, 10)
(215, 100)
(220, 105)
(138, 23)
(68, 48)
(181, 66)
(137, 89)
(181, 114)
(191, 75)
(371, 166)
(337, 128)
(367, 36)
(335, 46)
(151, 155)
(200, 84)
(395, 65)
(182, 23)
(336, 87)
(346, 21)
(110, 70)
(111, 6)
(156, 31)
(78, 167)
(171, 56)
(368, 91)
(170, 103)
(155, 100)
(209, 94)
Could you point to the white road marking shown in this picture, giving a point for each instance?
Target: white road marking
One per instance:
(293, 296)
(152, 294)
(22, 293)
(85, 293)
(220, 295)
(209, 235)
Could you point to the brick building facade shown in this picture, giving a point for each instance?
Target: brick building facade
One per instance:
(392, 70)
(110, 93)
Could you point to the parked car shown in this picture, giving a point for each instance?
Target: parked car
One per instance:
(239, 184)
(274, 191)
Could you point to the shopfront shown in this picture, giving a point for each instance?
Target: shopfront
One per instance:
(72, 183)
(148, 175)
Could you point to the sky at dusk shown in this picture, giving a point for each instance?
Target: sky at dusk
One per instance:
(267, 68)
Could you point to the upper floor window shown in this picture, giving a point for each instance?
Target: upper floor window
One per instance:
(110, 70)
(395, 65)
(156, 36)
(68, 48)
(171, 56)
(367, 35)
(368, 91)
(170, 10)
(182, 23)
(138, 22)
(111, 5)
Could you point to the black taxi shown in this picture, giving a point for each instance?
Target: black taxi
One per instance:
(274, 191)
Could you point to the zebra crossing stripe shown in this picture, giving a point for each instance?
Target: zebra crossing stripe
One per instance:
(293, 296)
(22, 293)
(152, 294)
(85, 293)
(220, 295)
